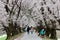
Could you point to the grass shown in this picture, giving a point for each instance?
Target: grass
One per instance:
(3, 37)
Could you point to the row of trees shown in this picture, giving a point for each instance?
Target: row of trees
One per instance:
(38, 11)
(50, 24)
(13, 28)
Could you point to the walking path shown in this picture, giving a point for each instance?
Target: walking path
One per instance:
(58, 34)
(30, 36)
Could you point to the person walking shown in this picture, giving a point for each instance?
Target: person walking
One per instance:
(32, 29)
(28, 29)
(42, 32)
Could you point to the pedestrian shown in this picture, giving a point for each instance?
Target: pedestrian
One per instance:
(28, 29)
(32, 29)
(42, 32)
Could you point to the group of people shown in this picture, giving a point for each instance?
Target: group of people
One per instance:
(30, 29)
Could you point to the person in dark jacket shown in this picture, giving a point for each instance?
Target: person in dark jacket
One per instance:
(28, 29)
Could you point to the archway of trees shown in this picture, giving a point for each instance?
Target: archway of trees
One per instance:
(44, 13)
